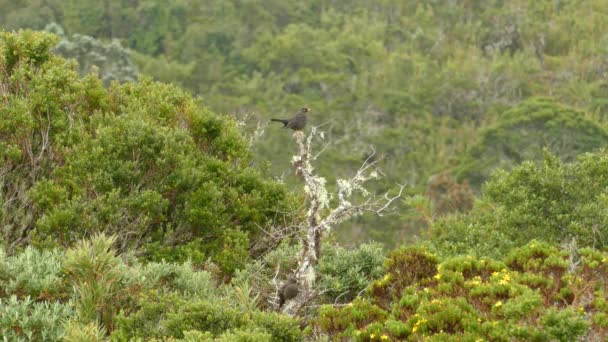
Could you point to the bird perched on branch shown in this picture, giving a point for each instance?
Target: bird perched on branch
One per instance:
(297, 123)
(288, 291)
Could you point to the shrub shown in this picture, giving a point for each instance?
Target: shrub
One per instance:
(343, 273)
(98, 276)
(548, 201)
(469, 299)
(405, 267)
(564, 325)
(143, 161)
(28, 320)
(32, 273)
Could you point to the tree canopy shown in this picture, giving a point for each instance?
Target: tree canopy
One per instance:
(144, 161)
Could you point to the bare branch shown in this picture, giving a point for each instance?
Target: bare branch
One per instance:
(319, 200)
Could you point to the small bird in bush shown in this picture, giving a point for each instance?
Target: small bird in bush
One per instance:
(298, 122)
(288, 291)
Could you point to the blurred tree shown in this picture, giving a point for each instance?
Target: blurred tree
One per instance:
(523, 132)
(547, 200)
(112, 61)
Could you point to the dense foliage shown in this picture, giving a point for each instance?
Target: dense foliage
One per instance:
(524, 131)
(142, 161)
(551, 201)
(87, 291)
(131, 210)
(537, 293)
(418, 80)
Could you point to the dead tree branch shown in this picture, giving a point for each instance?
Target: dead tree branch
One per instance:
(321, 217)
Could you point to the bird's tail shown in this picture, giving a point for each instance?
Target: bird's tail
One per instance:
(284, 122)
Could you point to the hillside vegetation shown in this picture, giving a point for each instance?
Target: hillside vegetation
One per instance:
(144, 197)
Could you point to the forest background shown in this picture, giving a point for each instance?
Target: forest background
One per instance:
(188, 178)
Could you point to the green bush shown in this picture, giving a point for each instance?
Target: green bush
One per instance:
(548, 201)
(98, 277)
(77, 332)
(143, 161)
(27, 320)
(172, 316)
(405, 267)
(564, 325)
(203, 316)
(32, 273)
(473, 299)
(345, 273)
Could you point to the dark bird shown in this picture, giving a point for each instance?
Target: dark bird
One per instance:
(288, 291)
(297, 123)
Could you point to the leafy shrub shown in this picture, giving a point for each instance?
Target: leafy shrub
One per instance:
(547, 201)
(405, 267)
(76, 332)
(147, 320)
(279, 327)
(32, 273)
(344, 273)
(467, 298)
(564, 325)
(182, 278)
(171, 316)
(355, 315)
(98, 276)
(27, 320)
(203, 316)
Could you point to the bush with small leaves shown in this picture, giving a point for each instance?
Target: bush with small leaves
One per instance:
(143, 161)
(31, 321)
(538, 293)
(32, 273)
(404, 267)
(163, 316)
(344, 273)
(182, 278)
(548, 200)
(75, 331)
(564, 325)
(345, 320)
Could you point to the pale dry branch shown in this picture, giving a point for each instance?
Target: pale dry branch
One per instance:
(319, 201)
(273, 300)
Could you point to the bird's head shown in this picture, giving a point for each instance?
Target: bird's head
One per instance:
(305, 110)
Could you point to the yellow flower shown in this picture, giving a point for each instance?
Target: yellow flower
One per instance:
(384, 337)
(437, 276)
(415, 328)
(372, 336)
(498, 304)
